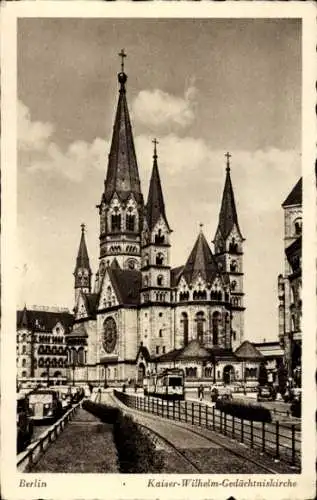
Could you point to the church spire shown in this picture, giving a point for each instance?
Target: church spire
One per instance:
(155, 204)
(228, 213)
(82, 271)
(122, 173)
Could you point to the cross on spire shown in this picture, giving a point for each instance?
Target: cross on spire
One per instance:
(83, 227)
(122, 54)
(201, 225)
(228, 156)
(155, 142)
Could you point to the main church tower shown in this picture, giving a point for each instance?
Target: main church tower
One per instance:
(121, 209)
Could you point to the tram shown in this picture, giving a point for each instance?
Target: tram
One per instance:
(169, 384)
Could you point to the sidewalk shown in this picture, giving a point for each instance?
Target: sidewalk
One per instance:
(86, 445)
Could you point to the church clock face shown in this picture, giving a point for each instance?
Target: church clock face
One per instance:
(109, 335)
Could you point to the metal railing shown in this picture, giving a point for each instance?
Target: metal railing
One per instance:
(33, 452)
(271, 438)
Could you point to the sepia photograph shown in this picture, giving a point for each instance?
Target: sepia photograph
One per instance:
(158, 261)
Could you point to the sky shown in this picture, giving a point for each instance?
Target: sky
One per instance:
(202, 87)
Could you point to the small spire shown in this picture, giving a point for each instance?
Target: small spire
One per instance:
(155, 142)
(201, 226)
(122, 77)
(228, 156)
(83, 228)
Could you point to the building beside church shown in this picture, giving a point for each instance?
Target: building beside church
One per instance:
(142, 315)
(41, 343)
(290, 285)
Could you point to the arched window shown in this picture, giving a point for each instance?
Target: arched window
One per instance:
(116, 222)
(208, 372)
(216, 322)
(23, 363)
(200, 319)
(159, 237)
(160, 280)
(24, 337)
(41, 362)
(146, 281)
(184, 322)
(81, 358)
(73, 356)
(54, 362)
(47, 362)
(233, 266)
(233, 246)
(130, 222)
(233, 285)
(60, 363)
(24, 374)
(159, 259)
(298, 227)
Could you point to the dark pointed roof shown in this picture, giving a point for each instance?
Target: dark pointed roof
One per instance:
(78, 331)
(82, 260)
(176, 273)
(127, 285)
(195, 350)
(155, 206)
(122, 174)
(24, 322)
(43, 320)
(200, 261)
(247, 350)
(295, 196)
(228, 213)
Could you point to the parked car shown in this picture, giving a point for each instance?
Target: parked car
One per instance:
(24, 423)
(266, 393)
(45, 405)
(64, 395)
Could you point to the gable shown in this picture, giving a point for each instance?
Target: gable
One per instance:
(108, 295)
(81, 308)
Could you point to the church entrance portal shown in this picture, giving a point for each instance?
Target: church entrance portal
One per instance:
(141, 373)
(228, 374)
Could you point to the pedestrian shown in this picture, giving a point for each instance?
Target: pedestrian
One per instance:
(201, 392)
(198, 390)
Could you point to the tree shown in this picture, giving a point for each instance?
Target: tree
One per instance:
(262, 374)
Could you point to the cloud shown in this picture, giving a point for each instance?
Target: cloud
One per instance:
(32, 135)
(158, 109)
(39, 153)
(75, 163)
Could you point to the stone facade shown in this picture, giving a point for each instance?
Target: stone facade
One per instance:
(290, 285)
(41, 343)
